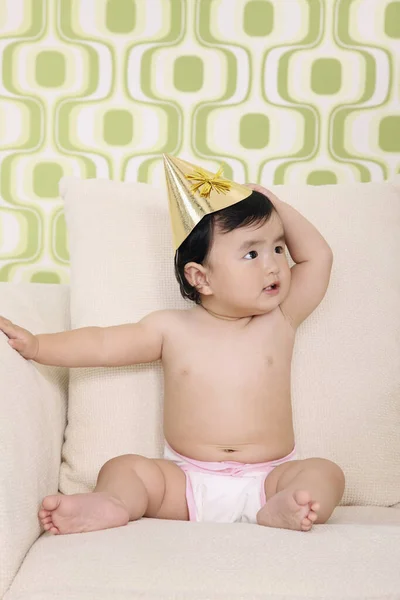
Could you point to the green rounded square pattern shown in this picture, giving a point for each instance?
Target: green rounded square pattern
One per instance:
(188, 74)
(392, 20)
(118, 127)
(254, 131)
(50, 69)
(258, 18)
(45, 277)
(326, 76)
(389, 134)
(120, 16)
(46, 176)
(321, 178)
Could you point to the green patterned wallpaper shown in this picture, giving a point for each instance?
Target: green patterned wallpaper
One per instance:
(276, 90)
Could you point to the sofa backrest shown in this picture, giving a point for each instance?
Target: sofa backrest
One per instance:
(345, 371)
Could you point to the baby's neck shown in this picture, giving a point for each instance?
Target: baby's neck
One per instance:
(225, 317)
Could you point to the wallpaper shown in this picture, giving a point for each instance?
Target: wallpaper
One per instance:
(276, 91)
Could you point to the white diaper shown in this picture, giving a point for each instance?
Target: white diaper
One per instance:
(224, 492)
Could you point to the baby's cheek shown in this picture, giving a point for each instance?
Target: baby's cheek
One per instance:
(285, 289)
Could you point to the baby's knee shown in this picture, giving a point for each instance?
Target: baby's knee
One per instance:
(124, 461)
(331, 473)
(323, 464)
(336, 472)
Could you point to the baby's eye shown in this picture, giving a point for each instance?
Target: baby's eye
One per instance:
(252, 252)
(282, 248)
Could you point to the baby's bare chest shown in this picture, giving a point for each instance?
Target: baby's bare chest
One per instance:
(241, 361)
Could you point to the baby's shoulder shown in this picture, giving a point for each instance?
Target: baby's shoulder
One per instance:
(168, 319)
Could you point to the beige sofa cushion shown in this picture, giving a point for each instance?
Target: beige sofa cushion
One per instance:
(33, 403)
(396, 182)
(157, 559)
(346, 363)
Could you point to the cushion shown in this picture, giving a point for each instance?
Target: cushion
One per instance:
(396, 182)
(163, 560)
(129, 223)
(346, 361)
(33, 400)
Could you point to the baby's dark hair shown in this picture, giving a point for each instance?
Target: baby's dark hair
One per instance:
(256, 208)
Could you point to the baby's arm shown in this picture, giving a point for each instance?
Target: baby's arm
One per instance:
(91, 346)
(313, 257)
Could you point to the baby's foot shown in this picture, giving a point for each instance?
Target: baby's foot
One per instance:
(289, 510)
(79, 513)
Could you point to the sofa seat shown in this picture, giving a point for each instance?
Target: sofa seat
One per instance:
(356, 554)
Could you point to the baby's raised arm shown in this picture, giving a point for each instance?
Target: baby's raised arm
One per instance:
(118, 345)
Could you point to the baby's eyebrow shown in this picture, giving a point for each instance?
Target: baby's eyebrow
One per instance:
(249, 243)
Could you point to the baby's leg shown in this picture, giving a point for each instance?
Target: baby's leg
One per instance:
(128, 488)
(300, 493)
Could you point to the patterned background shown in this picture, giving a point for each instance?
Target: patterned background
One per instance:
(278, 91)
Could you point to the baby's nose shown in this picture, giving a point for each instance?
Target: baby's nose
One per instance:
(272, 267)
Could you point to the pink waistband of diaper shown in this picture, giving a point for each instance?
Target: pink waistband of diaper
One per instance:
(228, 467)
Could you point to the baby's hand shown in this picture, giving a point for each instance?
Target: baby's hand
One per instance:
(270, 195)
(21, 340)
(258, 188)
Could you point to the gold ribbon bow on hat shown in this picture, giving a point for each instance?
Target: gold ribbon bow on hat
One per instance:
(205, 183)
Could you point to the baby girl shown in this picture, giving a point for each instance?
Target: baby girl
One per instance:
(230, 451)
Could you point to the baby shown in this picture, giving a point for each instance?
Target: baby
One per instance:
(229, 442)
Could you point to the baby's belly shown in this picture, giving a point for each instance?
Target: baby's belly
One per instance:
(245, 453)
(242, 433)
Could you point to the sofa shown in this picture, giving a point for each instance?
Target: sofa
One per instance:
(58, 426)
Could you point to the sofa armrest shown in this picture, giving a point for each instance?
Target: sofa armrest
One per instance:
(33, 402)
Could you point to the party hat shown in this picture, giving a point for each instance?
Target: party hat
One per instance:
(194, 192)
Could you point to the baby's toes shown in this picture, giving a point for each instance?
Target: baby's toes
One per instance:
(306, 526)
(47, 523)
(51, 528)
(54, 530)
(312, 516)
(50, 503)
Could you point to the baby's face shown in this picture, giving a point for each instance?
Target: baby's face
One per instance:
(242, 263)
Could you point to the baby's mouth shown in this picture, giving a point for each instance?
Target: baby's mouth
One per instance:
(272, 289)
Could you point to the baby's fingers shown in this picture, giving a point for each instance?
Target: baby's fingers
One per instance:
(9, 328)
(18, 345)
(15, 343)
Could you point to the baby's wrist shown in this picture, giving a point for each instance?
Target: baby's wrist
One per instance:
(35, 347)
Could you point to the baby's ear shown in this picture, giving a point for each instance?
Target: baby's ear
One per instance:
(196, 275)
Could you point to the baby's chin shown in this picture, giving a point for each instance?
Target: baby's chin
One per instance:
(239, 310)
(254, 311)
(264, 311)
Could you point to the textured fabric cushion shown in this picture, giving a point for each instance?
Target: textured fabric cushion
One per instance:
(175, 560)
(33, 402)
(396, 181)
(121, 262)
(346, 361)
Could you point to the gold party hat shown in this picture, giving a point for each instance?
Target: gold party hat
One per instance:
(194, 192)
